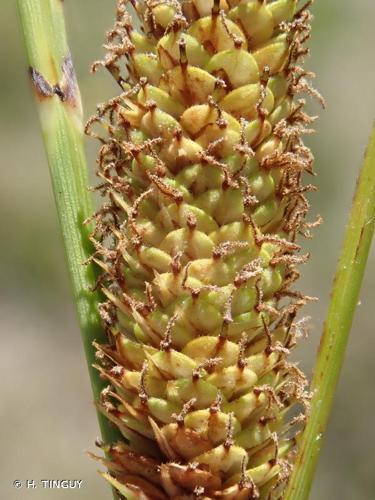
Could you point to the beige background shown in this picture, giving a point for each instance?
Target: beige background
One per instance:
(46, 416)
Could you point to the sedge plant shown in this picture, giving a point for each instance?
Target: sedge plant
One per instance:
(202, 168)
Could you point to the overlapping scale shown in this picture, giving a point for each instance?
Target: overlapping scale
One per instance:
(202, 164)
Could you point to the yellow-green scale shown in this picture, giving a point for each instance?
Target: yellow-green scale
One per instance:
(199, 345)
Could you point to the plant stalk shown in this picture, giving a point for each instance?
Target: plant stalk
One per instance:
(60, 111)
(344, 299)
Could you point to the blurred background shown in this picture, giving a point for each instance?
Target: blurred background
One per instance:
(47, 419)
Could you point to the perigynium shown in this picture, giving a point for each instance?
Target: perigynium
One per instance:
(202, 166)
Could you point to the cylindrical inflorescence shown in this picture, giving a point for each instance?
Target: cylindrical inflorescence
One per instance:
(201, 166)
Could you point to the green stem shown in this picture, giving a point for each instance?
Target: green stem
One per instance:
(60, 111)
(345, 294)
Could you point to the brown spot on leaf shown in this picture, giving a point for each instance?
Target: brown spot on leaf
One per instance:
(66, 89)
(68, 84)
(42, 87)
(360, 241)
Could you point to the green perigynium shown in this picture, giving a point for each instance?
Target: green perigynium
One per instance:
(202, 165)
